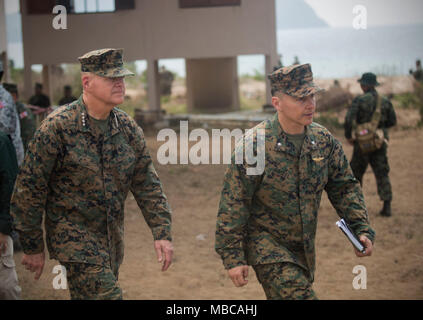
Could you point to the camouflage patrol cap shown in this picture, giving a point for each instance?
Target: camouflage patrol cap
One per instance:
(295, 80)
(105, 63)
(368, 79)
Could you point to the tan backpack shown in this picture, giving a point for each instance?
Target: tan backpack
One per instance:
(370, 138)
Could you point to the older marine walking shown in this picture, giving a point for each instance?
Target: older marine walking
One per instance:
(78, 170)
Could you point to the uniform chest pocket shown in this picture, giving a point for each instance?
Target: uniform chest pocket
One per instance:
(317, 171)
(79, 158)
(80, 168)
(120, 160)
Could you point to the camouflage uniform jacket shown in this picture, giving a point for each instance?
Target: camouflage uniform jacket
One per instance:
(272, 217)
(81, 182)
(27, 123)
(9, 122)
(362, 109)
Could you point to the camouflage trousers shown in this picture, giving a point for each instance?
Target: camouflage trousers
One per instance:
(91, 282)
(284, 281)
(379, 162)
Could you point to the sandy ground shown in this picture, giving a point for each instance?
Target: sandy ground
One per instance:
(394, 271)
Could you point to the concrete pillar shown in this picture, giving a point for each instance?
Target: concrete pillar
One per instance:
(271, 61)
(3, 42)
(6, 72)
(47, 76)
(28, 87)
(153, 90)
(28, 90)
(212, 85)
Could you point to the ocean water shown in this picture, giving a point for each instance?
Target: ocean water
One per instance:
(338, 52)
(346, 52)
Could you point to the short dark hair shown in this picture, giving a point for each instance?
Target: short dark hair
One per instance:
(38, 85)
(273, 92)
(11, 87)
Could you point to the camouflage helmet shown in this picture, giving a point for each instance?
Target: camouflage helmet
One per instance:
(105, 63)
(368, 79)
(295, 80)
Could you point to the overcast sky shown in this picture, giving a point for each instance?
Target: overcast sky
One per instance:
(338, 13)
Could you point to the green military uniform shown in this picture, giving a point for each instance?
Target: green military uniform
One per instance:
(27, 121)
(269, 221)
(66, 100)
(40, 100)
(79, 173)
(26, 117)
(361, 111)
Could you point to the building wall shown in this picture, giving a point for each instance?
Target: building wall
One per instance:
(3, 41)
(155, 30)
(212, 84)
(3, 36)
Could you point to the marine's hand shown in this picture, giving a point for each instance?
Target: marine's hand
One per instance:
(239, 275)
(367, 244)
(3, 243)
(34, 263)
(164, 250)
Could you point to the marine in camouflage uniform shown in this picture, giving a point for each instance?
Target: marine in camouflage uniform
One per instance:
(269, 221)
(9, 119)
(26, 117)
(39, 99)
(418, 73)
(361, 111)
(78, 170)
(67, 96)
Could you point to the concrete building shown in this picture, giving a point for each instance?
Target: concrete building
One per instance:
(3, 40)
(208, 34)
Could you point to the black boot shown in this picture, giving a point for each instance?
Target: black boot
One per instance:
(386, 211)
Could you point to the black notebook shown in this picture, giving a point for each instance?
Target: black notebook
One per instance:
(350, 235)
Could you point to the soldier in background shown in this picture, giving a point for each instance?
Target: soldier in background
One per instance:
(269, 221)
(361, 111)
(9, 119)
(9, 288)
(40, 103)
(296, 61)
(80, 166)
(166, 80)
(39, 99)
(418, 73)
(67, 96)
(26, 117)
